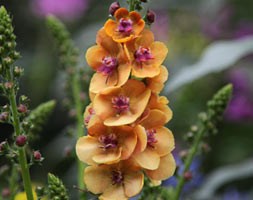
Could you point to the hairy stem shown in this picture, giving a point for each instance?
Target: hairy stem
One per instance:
(79, 113)
(188, 161)
(131, 5)
(17, 131)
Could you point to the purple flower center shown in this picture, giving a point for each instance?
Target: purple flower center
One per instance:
(151, 137)
(143, 54)
(109, 64)
(120, 103)
(117, 177)
(125, 26)
(108, 141)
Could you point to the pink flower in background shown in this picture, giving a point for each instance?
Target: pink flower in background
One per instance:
(241, 105)
(64, 9)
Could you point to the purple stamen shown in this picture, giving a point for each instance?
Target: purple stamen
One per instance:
(109, 64)
(117, 177)
(151, 137)
(125, 26)
(108, 141)
(143, 54)
(120, 103)
(91, 113)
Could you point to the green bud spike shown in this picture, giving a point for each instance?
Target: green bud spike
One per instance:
(67, 51)
(39, 116)
(7, 41)
(56, 189)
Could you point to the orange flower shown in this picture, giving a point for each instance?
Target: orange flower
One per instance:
(110, 63)
(121, 106)
(114, 182)
(146, 55)
(108, 145)
(127, 26)
(160, 103)
(155, 139)
(156, 83)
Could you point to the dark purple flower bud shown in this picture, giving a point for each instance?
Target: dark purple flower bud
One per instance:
(113, 7)
(188, 176)
(37, 156)
(144, 1)
(22, 108)
(4, 116)
(150, 17)
(21, 140)
(6, 193)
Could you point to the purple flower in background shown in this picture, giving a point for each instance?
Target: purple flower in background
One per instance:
(233, 194)
(160, 27)
(197, 177)
(241, 105)
(244, 29)
(64, 9)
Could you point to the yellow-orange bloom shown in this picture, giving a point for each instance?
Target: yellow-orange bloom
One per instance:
(109, 61)
(156, 140)
(121, 106)
(156, 83)
(127, 26)
(107, 145)
(146, 55)
(114, 182)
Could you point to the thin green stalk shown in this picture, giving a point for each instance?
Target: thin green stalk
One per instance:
(131, 5)
(21, 152)
(79, 113)
(188, 161)
(13, 181)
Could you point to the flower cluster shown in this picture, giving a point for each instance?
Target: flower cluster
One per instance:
(126, 117)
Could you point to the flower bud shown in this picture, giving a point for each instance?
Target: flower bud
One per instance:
(150, 17)
(144, 1)
(21, 140)
(22, 108)
(37, 156)
(113, 7)
(8, 85)
(6, 193)
(188, 176)
(4, 116)
(18, 71)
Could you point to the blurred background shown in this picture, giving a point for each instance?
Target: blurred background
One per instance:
(210, 44)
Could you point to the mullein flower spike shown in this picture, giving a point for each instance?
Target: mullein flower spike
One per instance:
(126, 118)
(56, 189)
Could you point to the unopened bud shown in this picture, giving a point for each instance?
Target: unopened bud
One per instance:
(37, 156)
(113, 7)
(144, 1)
(188, 175)
(4, 116)
(150, 17)
(8, 85)
(18, 71)
(183, 154)
(6, 192)
(21, 140)
(22, 108)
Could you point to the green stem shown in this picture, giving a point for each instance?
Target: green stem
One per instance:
(79, 113)
(21, 152)
(13, 181)
(188, 162)
(131, 5)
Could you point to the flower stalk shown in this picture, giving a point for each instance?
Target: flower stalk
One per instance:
(209, 121)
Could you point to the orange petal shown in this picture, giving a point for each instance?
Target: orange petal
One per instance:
(138, 28)
(96, 126)
(165, 170)
(145, 40)
(107, 42)
(108, 156)
(156, 83)
(114, 192)
(156, 118)
(86, 148)
(159, 51)
(133, 183)
(148, 159)
(146, 70)
(165, 141)
(97, 178)
(99, 82)
(110, 27)
(121, 13)
(94, 56)
(141, 139)
(134, 16)
(123, 73)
